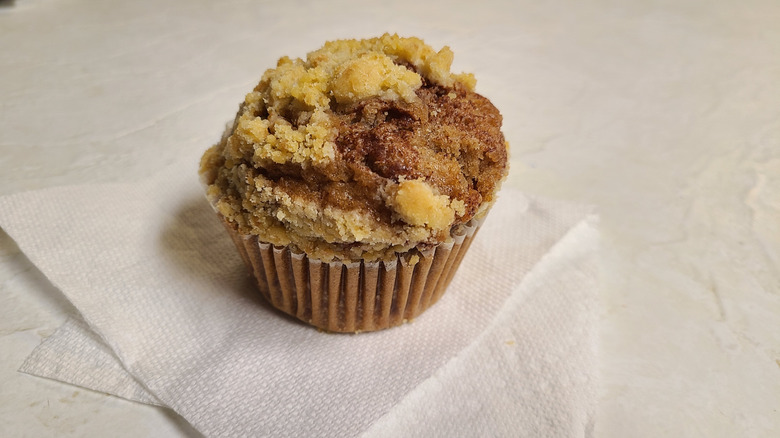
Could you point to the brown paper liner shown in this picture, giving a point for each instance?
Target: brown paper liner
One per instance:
(352, 297)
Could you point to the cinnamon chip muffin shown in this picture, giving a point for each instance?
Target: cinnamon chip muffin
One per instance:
(353, 180)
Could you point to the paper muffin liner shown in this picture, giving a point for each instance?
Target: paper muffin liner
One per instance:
(356, 296)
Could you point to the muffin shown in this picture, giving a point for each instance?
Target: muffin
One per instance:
(353, 181)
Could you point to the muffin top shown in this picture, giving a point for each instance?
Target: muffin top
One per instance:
(364, 149)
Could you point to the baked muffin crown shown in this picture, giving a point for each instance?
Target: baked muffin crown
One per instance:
(365, 149)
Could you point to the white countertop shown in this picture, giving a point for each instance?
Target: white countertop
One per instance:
(665, 115)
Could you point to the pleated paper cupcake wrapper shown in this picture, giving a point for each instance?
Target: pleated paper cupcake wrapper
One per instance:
(352, 297)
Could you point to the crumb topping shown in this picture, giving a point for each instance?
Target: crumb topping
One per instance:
(417, 204)
(374, 74)
(364, 149)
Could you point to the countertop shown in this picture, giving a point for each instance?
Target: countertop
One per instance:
(665, 115)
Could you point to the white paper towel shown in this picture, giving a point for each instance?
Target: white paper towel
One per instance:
(171, 317)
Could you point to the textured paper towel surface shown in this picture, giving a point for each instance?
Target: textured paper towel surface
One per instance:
(155, 277)
(74, 354)
(531, 372)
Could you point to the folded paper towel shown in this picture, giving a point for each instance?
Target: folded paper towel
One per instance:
(170, 317)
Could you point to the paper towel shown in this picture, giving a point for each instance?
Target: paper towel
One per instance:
(166, 300)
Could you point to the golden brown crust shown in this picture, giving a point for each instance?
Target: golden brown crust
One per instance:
(365, 149)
